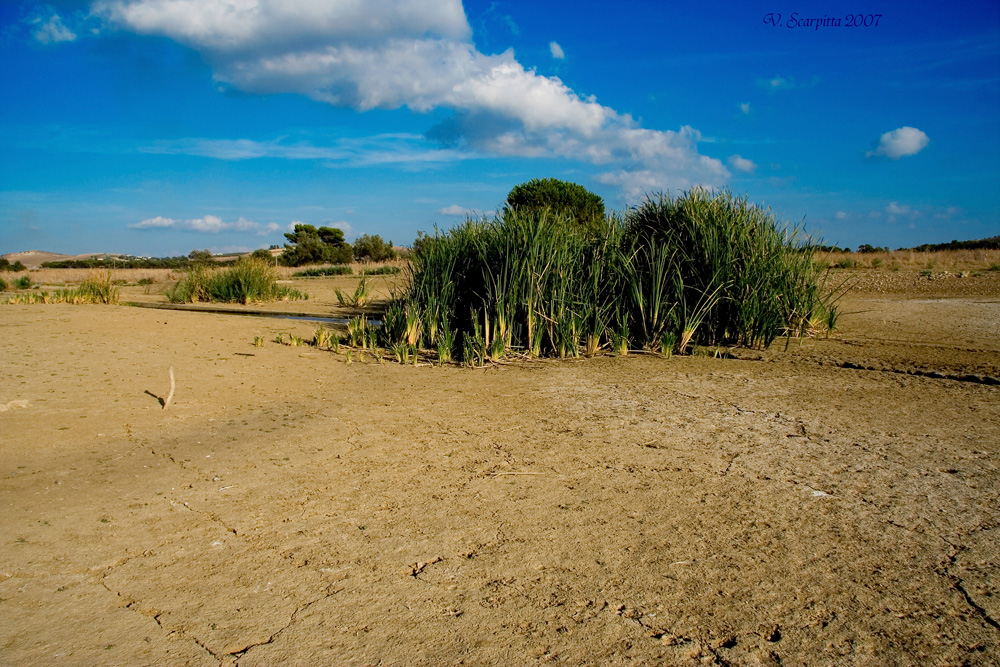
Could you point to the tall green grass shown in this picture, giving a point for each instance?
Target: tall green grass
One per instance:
(249, 280)
(703, 267)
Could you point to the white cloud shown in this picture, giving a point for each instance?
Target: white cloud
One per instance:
(416, 54)
(840, 215)
(745, 107)
(895, 209)
(455, 209)
(776, 83)
(210, 224)
(53, 30)
(379, 149)
(741, 164)
(948, 213)
(900, 142)
(557, 51)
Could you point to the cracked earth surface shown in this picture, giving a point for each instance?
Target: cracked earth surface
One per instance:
(292, 509)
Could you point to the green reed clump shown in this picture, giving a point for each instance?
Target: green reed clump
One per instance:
(739, 277)
(704, 267)
(249, 280)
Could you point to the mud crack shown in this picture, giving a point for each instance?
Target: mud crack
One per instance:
(959, 585)
(212, 516)
(132, 605)
(328, 592)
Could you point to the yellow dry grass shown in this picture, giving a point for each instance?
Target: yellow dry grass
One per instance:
(77, 276)
(132, 276)
(941, 260)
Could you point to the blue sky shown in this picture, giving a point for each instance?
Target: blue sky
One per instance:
(155, 127)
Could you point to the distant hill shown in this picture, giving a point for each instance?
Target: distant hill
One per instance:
(33, 259)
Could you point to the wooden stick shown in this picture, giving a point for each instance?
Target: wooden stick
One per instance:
(170, 396)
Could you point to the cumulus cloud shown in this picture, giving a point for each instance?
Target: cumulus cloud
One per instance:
(741, 164)
(53, 30)
(417, 54)
(455, 209)
(745, 107)
(557, 51)
(900, 143)
(210, 224)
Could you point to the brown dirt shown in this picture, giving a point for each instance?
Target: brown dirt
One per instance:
(290, 508)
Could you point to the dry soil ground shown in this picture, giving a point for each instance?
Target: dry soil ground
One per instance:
(290, 508)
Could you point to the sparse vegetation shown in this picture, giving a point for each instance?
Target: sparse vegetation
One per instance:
(387, 270)
(359, 299)
(320, 271)
(96, 288)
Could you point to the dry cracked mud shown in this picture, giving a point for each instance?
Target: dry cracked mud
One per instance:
(833, 503)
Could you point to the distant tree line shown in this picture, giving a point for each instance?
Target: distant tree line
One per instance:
(307, 244)
(5, 265)
(992, 243)
(121, 263)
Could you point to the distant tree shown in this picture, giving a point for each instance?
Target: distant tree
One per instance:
(5, 265)
(261, 253)
(308, 245)
(558, 196)
(373, 249)
(421, 243)
(200, 256)
(866, 248)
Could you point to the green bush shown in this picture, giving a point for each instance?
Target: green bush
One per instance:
(249, 280)
(3, 285)
(373, 249)
(24, 282)
(17, 266)
(560, 198)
